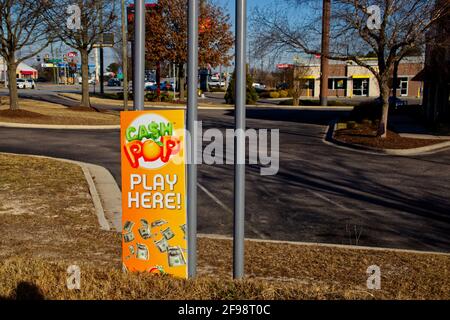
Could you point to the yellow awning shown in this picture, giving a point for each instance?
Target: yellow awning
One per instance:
(360, 76)
(309, 77)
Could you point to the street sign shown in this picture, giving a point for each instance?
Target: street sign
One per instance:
(154, 192)
(105, 41)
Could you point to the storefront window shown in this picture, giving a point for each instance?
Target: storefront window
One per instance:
(335, 84)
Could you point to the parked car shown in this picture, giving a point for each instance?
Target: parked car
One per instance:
(114, 82)
(165, 86)
(259, 86)
(149, 84)
(283, 86)
(31, 83)
(23, 84)
(216, 84)
(393, 102)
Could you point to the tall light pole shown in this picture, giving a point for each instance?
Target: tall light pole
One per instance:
(124, 56)
(139, 58)
(239, 158)
(193, 14)
(324, 62)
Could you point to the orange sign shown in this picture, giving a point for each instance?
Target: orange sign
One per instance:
(154, 192)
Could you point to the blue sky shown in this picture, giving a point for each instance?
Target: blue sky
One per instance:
(229, 6)
(251, 4)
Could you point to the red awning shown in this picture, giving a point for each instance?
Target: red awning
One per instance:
(27, 73)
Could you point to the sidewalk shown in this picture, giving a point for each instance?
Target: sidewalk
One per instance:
(408, 127)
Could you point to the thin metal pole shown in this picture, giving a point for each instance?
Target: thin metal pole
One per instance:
(124, 56)
(193, 14)
(139, 59)
(102, 56)
(239, 178)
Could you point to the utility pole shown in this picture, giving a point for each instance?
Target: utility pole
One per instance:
(324, 63)
(124, 56)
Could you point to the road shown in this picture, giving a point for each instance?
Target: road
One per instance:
(321, 193)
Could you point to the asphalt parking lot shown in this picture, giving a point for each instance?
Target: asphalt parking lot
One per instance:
(321, 193)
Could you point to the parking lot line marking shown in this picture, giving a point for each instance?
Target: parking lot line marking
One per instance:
(329, 200)
(216, 200)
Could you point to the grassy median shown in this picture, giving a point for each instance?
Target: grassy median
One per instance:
(48, 223)
(39, 112)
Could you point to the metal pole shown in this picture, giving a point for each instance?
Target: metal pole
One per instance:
(193, 13)
(239, 178)
(139, 59)
(124, 57)
(102, 62)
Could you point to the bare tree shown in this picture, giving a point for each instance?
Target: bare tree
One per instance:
(22, 26)
(79, 27)
(389, 28)
(300, 74)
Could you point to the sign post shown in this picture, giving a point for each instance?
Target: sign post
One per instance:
(154, 211)
(139, 58)
(239, 178)
(193, 13)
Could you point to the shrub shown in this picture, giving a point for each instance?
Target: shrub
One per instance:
(283, 93)
(252, 96)
(151, 96)
(274, 95)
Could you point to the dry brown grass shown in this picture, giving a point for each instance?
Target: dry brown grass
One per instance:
(47, 223)
(38, 112)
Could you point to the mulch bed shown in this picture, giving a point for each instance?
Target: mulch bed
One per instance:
(367, 137)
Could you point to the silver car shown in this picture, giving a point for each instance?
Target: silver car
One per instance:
(23, 84)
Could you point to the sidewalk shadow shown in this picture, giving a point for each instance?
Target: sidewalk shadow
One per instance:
(25, 291)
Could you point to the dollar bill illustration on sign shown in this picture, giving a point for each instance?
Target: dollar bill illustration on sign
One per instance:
(154, 192)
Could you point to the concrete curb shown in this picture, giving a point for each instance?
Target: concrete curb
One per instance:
(57, 127)
(435, 148)
(323, 245)
(104, 225)
(104, 191)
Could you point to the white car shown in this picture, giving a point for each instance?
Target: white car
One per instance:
(259, 86)
(31, 83)
(216, 84)
(23, 84)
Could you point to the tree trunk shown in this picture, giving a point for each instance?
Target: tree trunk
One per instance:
(85, 101)
(181, 80)
(13, 96)
(382, 130)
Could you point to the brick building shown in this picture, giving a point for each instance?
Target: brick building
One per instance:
(347, 79)
(436, 74)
